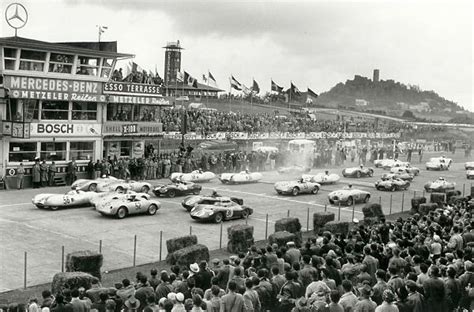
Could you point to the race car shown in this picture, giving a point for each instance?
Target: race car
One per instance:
(407, 169)
(297, 187)
(130, 204)
(194, 176)
(180, 188)
(74, 198)
(395, 163)
(322, 178)
(115, 195)
(469, 165)
(470, 174)
(392, 184)
(220, 211)
(403, 176)
(190, 201)
(91, 185)
(358, 172)
(348, 196)
(293, 169)
(241, 177)
(123, 185)
(440, 185)
(439, 163)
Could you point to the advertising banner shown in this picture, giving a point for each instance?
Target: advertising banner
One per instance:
(46, 129)
(115, 87)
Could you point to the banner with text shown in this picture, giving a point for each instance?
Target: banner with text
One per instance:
(54, 89)
(52, 129)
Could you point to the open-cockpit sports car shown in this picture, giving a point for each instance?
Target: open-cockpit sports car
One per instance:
(129, 204)
(91, 184)
(194, 176)
(74, 198)
(297, 187)
(111, 184)
(241, 177)
(389, 163)
(358, 172)
(469, 165)
(321, 178)
(440, 185)
(393, 184)
(407, 169)
(220, 211)
(470, 174)
(404, 176)
(348, 196)
(177, 189)
(439, 163)
(190, 201)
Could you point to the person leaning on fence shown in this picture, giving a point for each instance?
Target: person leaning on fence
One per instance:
(20, 172)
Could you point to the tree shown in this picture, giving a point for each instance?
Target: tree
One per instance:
(408, 114)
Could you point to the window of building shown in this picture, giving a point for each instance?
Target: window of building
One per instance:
(53, 151)
(84, 111)
(22, 151)
(146, 113)
(88, 65)
(32, 60)
(60, 63)
(107, 67)
(125, 148)
(22, 110)
(119, 112)
(55, 110)
(81, 150)
(10, 56)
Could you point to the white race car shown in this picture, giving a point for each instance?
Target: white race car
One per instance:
(439, 163)
(91, 185)
(294, 169)
(470, 174)
(440, 185)
(297, 187)
(395, 163)
(74, 198)
(403, 176)
(321, 178)
(195, 176)
(241, 177)
(385, 163)
(469, 165)
(408, 169)
(122, 186)
(357, 172)
(130, 204)
(348, 196)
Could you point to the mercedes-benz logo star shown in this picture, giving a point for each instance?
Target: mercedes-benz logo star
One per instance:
(16, 15)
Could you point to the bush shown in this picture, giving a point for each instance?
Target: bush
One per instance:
(371, 210)
(291, 225)
(240, 238)
(338, 227)
(188, 255)
(178, 243)
(70, 280)
(281, 238)
(415, 204)
(426, 208)
(85, 261)
(321, 218)
(438, 198)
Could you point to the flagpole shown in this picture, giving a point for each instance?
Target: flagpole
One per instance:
(289, 97)
(230, 89)
(207, 92)
(251, 96)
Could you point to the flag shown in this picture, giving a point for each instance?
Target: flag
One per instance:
(235, 84)
(294, 90)
(156, 73)
(190, 80)
(102, 29)
(195, 83)
(180, 77)
(245, 90)
(211, 78)
(276, 87)
(255, 87)
(204, 78)
(311, 94)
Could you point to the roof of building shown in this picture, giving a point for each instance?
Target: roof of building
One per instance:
(104, 49)
(185, 86)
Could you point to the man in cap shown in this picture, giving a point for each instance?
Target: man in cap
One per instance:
(364, 303)
(204, 276)
(132, 304)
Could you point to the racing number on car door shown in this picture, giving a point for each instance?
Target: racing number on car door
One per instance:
(138, 205)
(66, 200)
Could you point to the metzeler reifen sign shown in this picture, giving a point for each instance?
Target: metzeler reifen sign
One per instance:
(54, 89)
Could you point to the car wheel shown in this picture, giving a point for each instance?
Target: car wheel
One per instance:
(152, 209)
(218, 217)
(196, 192)
(145, 189)
(315, 190)
(122, 212)
(93, 187)
(295, 191)
(279, 192)
(367, 198)
(119, 189)
(371, 173)
(331, 202)
(350, 201)
(171, 193)
(54, 208)
(225, 181)
(245, 214)
(358, 174)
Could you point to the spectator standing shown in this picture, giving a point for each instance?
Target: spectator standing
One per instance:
(90, 169)
(435, 293)
(334, 305)
(51, 173)
(388, 302)
(20, 172)
(348, 299)
(71, 172)
(232, 301)
(36, 174)
(44, 173)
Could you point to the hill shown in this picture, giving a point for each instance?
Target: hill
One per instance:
(390, 98)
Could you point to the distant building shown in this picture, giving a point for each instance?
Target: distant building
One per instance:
(361, 102)
(172, 62)
(422, 107)
(376, 75)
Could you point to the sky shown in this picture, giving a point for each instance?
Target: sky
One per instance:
(314, 44)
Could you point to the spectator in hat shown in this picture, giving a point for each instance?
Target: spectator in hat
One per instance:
(179, 303)
(204, 276)
(132, 304)
(365, 304)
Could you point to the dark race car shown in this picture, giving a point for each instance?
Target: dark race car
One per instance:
(177, 189)
(190, 201)
(358, 172)
(393, 184)
(220, 211)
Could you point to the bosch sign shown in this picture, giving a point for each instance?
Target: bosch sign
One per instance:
(55, 128)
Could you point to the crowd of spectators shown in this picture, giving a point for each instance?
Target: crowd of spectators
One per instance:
(421, 263)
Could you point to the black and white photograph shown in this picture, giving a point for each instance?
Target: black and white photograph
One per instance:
(236, 156)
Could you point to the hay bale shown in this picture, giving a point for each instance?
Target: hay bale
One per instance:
(70, 280)
(188, 255)
(85, 261)
(178, 243)
(291, 225)
(456, 199)
(438, 198)
(337, 227)
(281, 238)
(321, 218)
(452, 193)
(369, 221)
(415, 204)
(426, 208)
(371, 210)
(240, 238)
